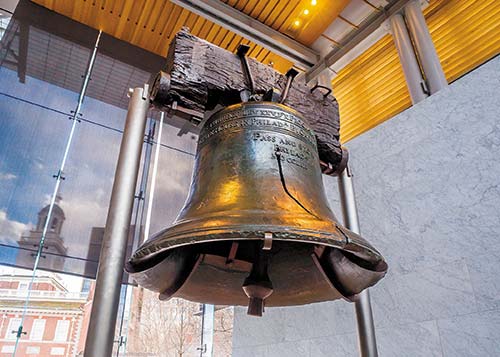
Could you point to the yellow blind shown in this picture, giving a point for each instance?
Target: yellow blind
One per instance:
(466, 33)
(370, 89)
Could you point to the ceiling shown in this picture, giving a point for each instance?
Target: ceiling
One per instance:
(152, 24)
(369, 82)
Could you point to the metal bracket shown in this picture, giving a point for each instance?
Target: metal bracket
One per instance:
(316, 86)
(268, 241)
(59, 176)
(272, 95)
(290, 75)
(425, 87)
(328, 169)
(19, 331)
(145, 92)
(241, 53)
(121, 341)
(74, 117)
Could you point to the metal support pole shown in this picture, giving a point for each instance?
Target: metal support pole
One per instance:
(366, 329)
(411, 69)
(102, 324)
(425, 47)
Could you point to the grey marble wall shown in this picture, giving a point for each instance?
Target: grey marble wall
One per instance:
(428, 189)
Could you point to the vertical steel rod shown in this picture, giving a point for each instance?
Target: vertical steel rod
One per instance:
(425, 47)
(102, 323)
(366, 329)
(408, 59)
(149, 209)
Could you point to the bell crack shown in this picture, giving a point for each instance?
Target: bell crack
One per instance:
(283, 183)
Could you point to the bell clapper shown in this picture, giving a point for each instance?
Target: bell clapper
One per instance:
(257, 285)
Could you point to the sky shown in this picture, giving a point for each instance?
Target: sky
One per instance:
(32, 142)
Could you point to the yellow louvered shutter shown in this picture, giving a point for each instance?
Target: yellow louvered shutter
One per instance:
(370, 89)
(466, 33)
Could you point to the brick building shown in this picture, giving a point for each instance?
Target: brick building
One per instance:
(53, 323)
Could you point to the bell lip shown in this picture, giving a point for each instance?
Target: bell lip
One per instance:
(167, 240)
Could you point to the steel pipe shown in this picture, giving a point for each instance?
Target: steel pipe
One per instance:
(366, 329)
(408, 59)
(424, 46)
(102, 323)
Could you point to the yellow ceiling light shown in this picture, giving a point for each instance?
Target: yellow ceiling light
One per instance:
(313, 2)
(306, 12)
(296, 23)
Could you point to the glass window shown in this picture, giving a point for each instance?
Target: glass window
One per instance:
(33, 350)
(11, 332)
(57, 351)
(36, 102)
(37, 330)
(53, 226)
(62, 329)
(5, 17)
(8, 349)
(23, 286)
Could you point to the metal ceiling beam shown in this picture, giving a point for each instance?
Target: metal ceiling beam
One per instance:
(253, 30)
(354, 38)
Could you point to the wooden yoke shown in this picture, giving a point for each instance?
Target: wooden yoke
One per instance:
(198, 76)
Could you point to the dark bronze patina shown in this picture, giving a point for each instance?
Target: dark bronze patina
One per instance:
(256, 225)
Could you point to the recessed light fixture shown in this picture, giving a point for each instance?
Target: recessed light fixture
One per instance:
(296, 23)
(306, 12)
(314, 2)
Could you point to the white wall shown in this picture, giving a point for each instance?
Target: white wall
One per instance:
(428, 189)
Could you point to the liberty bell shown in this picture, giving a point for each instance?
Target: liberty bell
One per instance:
(256, 228)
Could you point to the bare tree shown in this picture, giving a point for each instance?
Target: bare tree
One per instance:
(223, 331)
(166, 328)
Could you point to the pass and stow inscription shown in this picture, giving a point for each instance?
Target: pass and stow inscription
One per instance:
(285, 132)
(292, 151)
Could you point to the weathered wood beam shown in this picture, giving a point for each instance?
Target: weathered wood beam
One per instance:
(203, 75)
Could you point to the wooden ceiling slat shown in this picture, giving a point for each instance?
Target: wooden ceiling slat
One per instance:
(198, 25)
(124, 18)
(258, 9)
(205, 30)
(268, 11)
(220, 36)
(191, 20)
(156, 15)
(227, 39)
(212, 33)
(151, 24)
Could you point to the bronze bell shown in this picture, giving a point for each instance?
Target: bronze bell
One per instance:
(256, 228)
